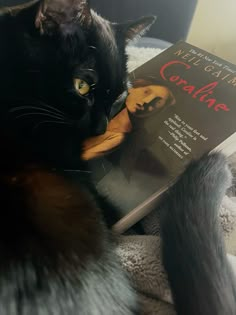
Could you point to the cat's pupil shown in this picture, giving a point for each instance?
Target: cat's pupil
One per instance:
(81, 85)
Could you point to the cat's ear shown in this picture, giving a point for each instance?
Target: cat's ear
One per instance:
(53, 14)
(138, 28)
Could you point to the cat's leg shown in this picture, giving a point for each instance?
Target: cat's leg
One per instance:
(194, 253)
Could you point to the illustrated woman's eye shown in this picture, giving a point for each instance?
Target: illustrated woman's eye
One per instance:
(81, 86)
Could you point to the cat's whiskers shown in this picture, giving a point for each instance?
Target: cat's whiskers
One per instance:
(38, 114)
(92, 70)
(50, 122)
(39, 103)
(93, 47)
(23, 108)
(50, 107)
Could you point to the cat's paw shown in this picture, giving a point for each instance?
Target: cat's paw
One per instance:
(212, 170)
(196, 196)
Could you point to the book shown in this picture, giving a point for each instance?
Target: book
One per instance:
(180, 105)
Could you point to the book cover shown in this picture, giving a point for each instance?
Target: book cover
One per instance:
(181, 104)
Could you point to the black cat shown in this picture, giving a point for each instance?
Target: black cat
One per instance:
(63, 76)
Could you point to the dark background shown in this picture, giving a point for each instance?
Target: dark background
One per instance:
(173, 16)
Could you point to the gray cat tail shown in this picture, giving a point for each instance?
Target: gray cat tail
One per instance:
(193, 249)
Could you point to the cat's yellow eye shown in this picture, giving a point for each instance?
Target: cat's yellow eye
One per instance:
(81, 86)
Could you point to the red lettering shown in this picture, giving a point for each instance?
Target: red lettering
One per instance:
(211, 102)
(202, 93)
(223, 107)
(181, 81)
(206, 88)
(189, 89)
(174, 78)
(163, 68)
(202, 98)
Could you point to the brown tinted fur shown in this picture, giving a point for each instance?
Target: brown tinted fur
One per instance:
(61, 212)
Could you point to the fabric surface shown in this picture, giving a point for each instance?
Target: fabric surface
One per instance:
(141, 254)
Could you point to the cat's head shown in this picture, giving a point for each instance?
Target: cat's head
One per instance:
(69, 73)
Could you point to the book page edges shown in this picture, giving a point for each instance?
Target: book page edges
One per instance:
(139, 212)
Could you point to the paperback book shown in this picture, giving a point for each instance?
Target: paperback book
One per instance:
(180, 105)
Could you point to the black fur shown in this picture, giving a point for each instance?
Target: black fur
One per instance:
(57, 254)
(38, 99)
(194, 253)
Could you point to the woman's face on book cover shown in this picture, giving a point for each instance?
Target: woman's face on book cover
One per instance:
(145, 100)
